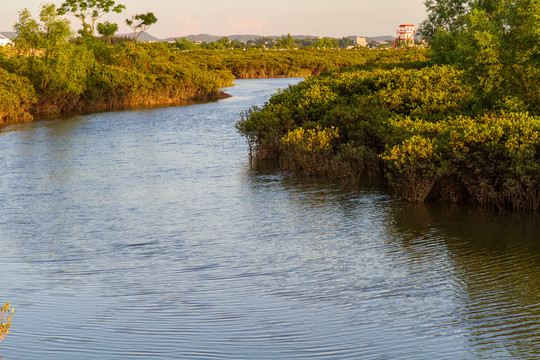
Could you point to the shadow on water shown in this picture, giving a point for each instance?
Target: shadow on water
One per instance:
(258, 169)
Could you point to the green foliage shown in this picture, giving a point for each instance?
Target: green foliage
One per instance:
(345, 43)
(29, 31)
(17, 95)
(63, 81)
(55, 30)
(58, 80)
(326, 43)
(444, 16)
(358, 102)
(497, 45)
(107, 29)
(422, 126)
(299, 63)
(308, 149)
(463, 131)
(413, 165)
(490, 159)
(261, 43)
(222, 44)
(184, 44)
(45, 35)
(153, 73)
(93, 75)
(285, 42)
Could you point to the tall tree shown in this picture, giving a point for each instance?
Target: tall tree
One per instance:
(55, 30)
(286, 42)
(326, 43)
(28, 30)
(140, 23)
(444, 15)
(107, 30)
(184, 44)
(89, 12)
(47, 33)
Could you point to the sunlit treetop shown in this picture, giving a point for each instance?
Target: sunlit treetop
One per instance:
(89, 12)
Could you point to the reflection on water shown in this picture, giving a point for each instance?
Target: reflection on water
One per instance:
(482, 264)
(495, 258)
(150, 234)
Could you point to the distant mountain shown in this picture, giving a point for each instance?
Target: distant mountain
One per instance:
(143, 37)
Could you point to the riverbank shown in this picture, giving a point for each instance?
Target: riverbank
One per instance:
(258, 64)
(379, 112)
(96, 77)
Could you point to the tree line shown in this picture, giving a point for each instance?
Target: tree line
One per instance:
(284, 42)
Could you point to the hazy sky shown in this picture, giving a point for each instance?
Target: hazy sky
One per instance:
(335, 18)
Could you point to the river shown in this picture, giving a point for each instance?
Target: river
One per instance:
(148, 233)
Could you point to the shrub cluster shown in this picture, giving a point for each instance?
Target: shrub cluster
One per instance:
(308, 149)
(422, 127)
(254, 63)
(358, 102)
(490, 159)
(95, 76)
(17, 96)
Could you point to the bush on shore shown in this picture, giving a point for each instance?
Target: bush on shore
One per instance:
(17, 96)
(97, 76)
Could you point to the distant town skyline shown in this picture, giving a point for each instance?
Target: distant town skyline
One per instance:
(337, 18)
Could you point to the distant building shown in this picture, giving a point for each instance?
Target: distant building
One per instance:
(360, 41)
(405, 35)
(4, 41)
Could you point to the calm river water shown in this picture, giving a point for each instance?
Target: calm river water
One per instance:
(149, 234)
